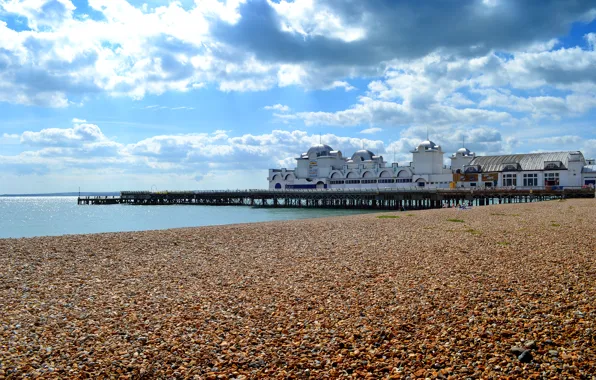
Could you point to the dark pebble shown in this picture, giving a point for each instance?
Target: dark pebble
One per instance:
(525, 357)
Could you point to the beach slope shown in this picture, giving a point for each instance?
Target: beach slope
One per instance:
(497, 291)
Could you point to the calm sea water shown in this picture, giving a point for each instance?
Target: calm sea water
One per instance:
(50, 216)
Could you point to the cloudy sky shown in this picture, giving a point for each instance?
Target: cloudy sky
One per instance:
(123, 94)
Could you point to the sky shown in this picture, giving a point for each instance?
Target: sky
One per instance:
(109, 95)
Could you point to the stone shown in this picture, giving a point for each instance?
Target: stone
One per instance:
(530, 344)
(257, 363)
(525, 357)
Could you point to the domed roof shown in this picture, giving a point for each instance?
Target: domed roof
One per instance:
(465, 151)
(363, 155)
(319, 150)
(426, 145)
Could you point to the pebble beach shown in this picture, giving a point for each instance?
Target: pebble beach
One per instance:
(503, 291)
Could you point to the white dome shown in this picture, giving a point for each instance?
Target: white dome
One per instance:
(427, 145)
(465, 151)
(319, 150)
(362, 155)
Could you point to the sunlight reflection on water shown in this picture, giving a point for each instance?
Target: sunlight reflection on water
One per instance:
(49, 216)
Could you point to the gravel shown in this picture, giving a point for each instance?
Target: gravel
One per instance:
(355, 296)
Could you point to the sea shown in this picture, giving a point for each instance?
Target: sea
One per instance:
(54, 216)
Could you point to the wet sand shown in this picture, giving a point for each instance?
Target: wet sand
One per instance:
(497, 291)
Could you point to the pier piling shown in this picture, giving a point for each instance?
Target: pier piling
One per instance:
(387, 199)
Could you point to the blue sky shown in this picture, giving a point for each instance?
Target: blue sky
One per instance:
(113, 94)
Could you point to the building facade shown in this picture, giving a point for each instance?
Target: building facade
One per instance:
(322, 167)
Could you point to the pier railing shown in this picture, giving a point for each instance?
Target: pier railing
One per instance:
(381, 198)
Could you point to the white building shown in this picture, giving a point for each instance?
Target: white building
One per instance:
(567, 169)
(324, 168)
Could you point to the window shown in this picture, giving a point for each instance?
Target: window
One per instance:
(403, 180)
(472, 184)
(336, 182)
(352, 181)
(551, 179)
(472, 169)
(386, 181)
(531, 179)
(509, 179)
(369, 181)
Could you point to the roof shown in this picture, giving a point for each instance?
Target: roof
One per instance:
(530, 161)
(589, 169)
(318, 150)
(362, 155)
(425, 145)
(465, 152)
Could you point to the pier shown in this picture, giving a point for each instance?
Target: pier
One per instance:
(382, 199)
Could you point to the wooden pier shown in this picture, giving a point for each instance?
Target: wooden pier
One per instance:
(382, 199)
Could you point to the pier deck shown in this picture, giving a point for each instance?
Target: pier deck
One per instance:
(383, 199)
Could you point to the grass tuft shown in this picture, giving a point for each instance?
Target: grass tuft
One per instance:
(474, 232)
(388, 217)
(455, 220)
(504, 243)
(555, 224)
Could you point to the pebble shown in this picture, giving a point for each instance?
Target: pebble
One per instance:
(353, 296)
(525, 356)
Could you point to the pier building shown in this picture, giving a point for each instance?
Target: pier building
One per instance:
(324, 178)
(322, 167)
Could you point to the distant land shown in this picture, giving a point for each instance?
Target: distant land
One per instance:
(73, 194)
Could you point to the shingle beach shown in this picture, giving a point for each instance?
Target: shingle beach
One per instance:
(505, 291)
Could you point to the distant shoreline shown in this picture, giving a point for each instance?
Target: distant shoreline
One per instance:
(73, 194)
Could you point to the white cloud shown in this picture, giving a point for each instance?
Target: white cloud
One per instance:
(277, 107)
(9, 138)
(85, 147)
(309, 18)
(371, 131)
(339, 84)
(156, 107)
(213, 157)
(457, 99)
(377, 112)
(589, 148)
(565, 140)
(78, 121)
(218, 149)
(64, 137)
(591, 40)
(40, 13)
(538, 47)
(182, 108)
(126, 50)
